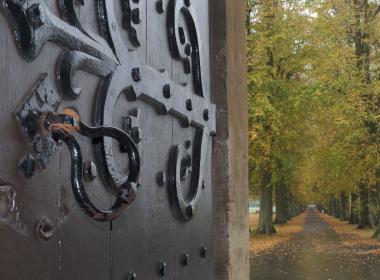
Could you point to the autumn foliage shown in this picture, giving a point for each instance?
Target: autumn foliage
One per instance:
(314, 97)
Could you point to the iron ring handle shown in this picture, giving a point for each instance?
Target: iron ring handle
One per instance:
(60, 125)
(124, 139)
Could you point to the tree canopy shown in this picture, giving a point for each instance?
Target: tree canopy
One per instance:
(314, 97)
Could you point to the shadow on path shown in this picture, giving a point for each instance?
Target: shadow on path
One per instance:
(316, 253)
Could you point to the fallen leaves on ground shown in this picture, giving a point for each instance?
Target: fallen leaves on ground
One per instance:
(260, 243)
(353, 238)
(324, 248)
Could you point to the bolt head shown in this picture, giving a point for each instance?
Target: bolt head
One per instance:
(185, 259)
(206, 116)
(136, 134)
(189, 211)
(136, 75)
(182, 37)
(162, 268)
(203, 252)
(89, 170)
(187, 3)
(36, 15)
(161, 179)
(160, 7)
(136, 16)
(132, 275)
(167, 91)
(188, 144)
(189, 105)
(27, 166)
(45, 228)
(188, 49)
(188, 161)
(127, 195)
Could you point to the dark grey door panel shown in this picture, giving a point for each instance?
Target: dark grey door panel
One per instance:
(106, 140)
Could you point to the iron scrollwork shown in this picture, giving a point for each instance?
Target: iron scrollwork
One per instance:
(45, 128)
(61, 127)
(122, 71)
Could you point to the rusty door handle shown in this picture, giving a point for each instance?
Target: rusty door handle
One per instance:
(62, 126)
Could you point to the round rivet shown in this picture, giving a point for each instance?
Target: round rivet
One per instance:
(161, 178)
(136, 16)
(182, 37)
(132, 275)
(27, 166)
(185, 259)
(188, 144)
(36, 15)
(203, 252)
(167, 91)
(189, 211)
(45, 228)
(187, 3)
(89, 171)
(189, 105)
(162, 268)
(188, 49)
(136, 75)
(160, 6)
(205, 115)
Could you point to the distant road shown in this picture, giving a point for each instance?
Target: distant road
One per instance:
(317, 253)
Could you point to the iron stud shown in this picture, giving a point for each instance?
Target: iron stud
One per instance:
(189, 105)
(167, 91)
(136, 16)
(45, 228)
(189, 211)
(89, 171)
(206, 115)
(36, 15)
(160, 6)
(136, 75)
(27, 166)
(188, 49)
(161, 178)
(203, 252)
(185, 259)
(182, 37)
(132, 275)
(162, 268)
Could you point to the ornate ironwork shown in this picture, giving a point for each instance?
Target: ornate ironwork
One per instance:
(109, 57)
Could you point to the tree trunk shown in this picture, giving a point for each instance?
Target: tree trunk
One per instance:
(336, 207)
(266, 205)
(282, 212)
(371, 207)
(354, 215)
(364, 213)
(377, 232)
(345, 209)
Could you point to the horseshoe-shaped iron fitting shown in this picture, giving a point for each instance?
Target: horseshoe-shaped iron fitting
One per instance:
(61, 126)
(185, 206)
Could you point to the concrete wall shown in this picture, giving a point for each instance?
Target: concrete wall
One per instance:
(230, 153)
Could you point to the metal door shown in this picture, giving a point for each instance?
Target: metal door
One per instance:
(106, 126)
